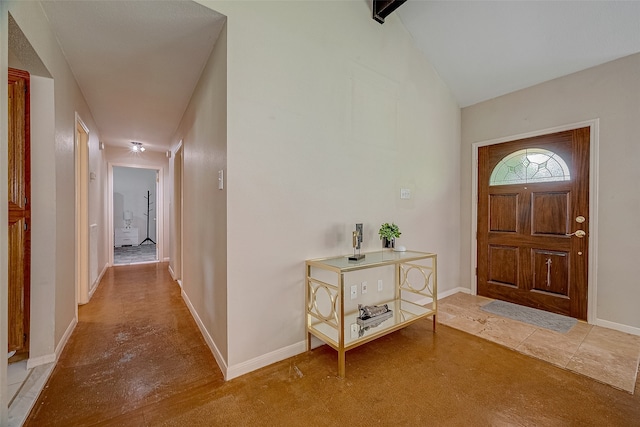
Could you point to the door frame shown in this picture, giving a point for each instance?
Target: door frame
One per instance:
(82, 211)
(593, 126)
(159, 208)
(176, 213)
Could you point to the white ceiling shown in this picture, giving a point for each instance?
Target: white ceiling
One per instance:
(137, 62)
(484, 49)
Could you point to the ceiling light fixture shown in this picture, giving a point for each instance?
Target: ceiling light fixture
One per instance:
(137, 147)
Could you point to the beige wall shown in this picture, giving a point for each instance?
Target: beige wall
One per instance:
(327, 120)
(53, 301)
(203, 132)
(610, 93)
(43, 227)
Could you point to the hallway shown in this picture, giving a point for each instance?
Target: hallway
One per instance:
(136, 358)
(135, 346)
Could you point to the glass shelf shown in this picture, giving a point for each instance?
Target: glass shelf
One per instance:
(371, 259)
(404, 312)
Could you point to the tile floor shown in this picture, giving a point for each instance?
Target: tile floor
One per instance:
(24, 387)
(134, 254)
(606, 355)
(17, 373)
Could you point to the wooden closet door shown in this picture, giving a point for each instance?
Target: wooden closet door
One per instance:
(19, 235)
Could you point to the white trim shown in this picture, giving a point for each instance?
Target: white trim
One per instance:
(266, 360)
(230, 372)
(453, 291)
(65, 337)
(207, 337)
(173, 276)
(98, 280)
(301, 346)
(81, 165)
(32, 362)
(594, 126)
(441, 295)
(618, 326)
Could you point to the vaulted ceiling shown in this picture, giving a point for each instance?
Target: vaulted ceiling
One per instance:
(137, 62)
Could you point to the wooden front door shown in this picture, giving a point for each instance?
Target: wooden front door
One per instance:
(533, 219)
(19, 240)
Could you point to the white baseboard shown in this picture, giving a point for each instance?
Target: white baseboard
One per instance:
(300, 347)
(32, 362)
(65, 337)
(207, 337)
(97, 282)
(173, 275)
(453, 291)
(266, 360)
(618, 326)
(425, 301)
(166, 259)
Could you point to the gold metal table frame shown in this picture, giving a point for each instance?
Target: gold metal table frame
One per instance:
(325, 302)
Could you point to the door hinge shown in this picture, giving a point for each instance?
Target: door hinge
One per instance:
(24, 339)
(26, 201)
(26, 226)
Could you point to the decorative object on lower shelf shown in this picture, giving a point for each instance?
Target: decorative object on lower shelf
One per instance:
(388, 234)
(372, 316)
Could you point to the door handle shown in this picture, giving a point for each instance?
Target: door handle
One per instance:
(577, 233)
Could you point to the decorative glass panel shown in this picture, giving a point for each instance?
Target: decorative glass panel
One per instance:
(528, 166)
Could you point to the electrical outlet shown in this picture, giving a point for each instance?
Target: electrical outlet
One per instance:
(364, 287)
(380, 287)
(355, 329)
(354, 291)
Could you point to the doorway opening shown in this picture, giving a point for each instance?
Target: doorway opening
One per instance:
(135, 215)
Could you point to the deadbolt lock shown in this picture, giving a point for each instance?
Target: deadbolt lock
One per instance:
(580, 219)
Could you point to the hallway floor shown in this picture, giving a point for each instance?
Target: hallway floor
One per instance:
(137, 358)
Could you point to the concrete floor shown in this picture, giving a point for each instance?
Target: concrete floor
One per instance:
(137, 358)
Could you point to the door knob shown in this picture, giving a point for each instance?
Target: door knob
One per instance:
(578, 233)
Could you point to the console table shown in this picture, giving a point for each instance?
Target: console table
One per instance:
(326, 318)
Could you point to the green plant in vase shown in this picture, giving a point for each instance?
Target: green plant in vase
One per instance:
(388, 234)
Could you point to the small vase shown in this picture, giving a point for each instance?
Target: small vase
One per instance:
(388, 243)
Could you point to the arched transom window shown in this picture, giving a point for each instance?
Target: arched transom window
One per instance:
(528, 166)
